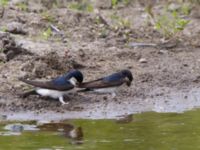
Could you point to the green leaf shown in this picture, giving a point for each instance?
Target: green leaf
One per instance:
(114, 2)
(47, 33)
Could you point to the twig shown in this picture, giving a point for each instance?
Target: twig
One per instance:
(54, 28)
(133, 44)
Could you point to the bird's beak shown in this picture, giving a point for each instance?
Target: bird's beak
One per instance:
(73, 81)
(128, 82)
(78, 84)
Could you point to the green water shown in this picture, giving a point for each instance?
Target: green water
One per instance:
(147, 131)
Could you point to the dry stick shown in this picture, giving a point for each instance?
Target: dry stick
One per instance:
(55, 28)
(133, 44)
(58, 31)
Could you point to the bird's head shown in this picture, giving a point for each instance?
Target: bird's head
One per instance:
(74, 76)
(128, 76)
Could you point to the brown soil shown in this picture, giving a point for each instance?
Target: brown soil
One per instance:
(166, 77)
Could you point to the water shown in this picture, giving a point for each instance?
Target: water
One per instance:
(147, 131)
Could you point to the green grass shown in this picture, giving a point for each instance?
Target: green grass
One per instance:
(116, 2)
(22, 6)
(120, 22)
(47, 16)
(84, 5)
(185, 9)
(170, 24)
(3, 2)
(1, 50)
(4, 28)
(170, 21)
(46, 34)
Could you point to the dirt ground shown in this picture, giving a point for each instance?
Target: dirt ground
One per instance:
(166, 76)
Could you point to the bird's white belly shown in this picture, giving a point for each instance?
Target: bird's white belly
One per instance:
(105, 90)
(50, 93)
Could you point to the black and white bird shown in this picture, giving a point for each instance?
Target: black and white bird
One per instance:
(57, 87)
(108, 84)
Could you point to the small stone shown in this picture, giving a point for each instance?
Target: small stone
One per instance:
(185, 65)
(105, 98)
(129, 67)
(143, 60)
(162, 51)
(65, 40)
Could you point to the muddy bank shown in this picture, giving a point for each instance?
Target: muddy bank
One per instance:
(166, 75)
(160, 100)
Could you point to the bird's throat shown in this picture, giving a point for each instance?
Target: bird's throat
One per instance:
(73, 81)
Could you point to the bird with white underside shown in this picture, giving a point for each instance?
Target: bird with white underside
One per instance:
(108, 84)
(57, 87)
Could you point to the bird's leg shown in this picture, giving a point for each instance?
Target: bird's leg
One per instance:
(26, 94)
(61, 99)
(113, 94)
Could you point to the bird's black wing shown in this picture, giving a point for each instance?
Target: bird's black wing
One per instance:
(48, 85)
(101, 83)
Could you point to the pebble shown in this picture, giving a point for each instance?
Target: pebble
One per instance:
(162, 51)
(143, 60)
